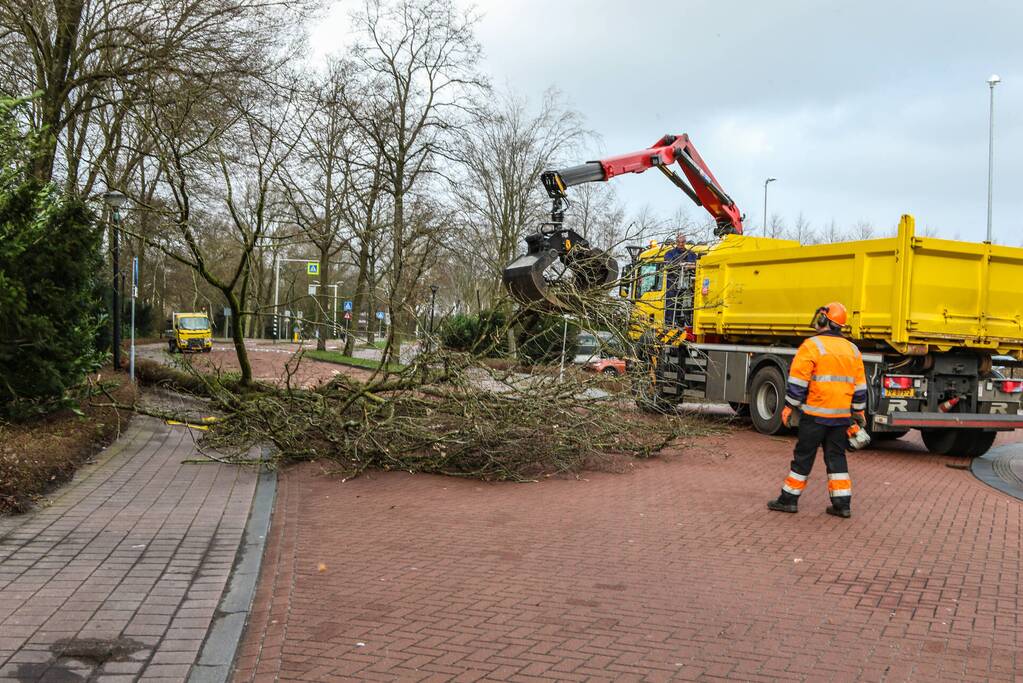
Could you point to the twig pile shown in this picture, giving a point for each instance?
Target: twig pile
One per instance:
(469, 420)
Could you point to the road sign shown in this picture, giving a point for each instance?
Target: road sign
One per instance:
(312, 290)
(312, 268)
(227, 311)
(348, 307)
(380, 315)
(348, 315)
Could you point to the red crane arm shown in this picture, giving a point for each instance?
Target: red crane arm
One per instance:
(703, 188)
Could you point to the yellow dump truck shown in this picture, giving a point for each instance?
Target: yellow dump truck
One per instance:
(935, 319)
(190, 332)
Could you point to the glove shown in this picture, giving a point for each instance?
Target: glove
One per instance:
(860, 418)
(789, 417)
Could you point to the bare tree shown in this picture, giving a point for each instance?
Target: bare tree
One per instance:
(221, 147)
(82, 55)
(862, 230)
(776, 226)
(802, 231)
(597, 215)
(504, 150)
(318, 189)
(831, 233)
(418, 60)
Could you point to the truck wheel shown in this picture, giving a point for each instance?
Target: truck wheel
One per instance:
(939, 441)
(741, 409)
(973, 443)
(966, 443)
(767, 398)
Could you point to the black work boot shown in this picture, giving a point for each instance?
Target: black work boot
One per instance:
(782, 505)
(839, 512)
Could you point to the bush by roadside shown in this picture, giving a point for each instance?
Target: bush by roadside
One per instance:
(50, 302)
(482, 332)
(542, 337)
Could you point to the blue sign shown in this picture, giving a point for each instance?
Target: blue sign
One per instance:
(135, 272)
(348, 305)
(380, 315)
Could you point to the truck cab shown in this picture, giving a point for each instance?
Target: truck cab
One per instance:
(190, 332)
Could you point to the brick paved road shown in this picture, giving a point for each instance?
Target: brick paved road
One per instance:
(675, 571)
(135, 553)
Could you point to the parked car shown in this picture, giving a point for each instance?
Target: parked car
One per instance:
(594, 346)
(606, 366)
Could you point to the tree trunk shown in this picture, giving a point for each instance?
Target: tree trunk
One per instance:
(371, 302)
(238, 338)
(360, 298)
(325, 313)
(398, 297)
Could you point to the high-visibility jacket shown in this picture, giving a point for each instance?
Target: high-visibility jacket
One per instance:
(827, 379)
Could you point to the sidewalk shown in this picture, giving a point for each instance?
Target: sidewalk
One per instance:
(120, 576)
(675, 571)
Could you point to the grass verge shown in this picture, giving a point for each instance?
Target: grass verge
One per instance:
(341, 359)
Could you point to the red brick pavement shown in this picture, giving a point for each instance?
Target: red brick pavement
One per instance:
(139, 547)
(674, 571)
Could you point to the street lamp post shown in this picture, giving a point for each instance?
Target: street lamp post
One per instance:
(768, 180)
(433, 301)
(115, 200)
(992, 81)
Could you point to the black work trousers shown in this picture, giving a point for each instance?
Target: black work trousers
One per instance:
(835, 441)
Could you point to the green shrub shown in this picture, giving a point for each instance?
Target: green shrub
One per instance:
(541, 339)
(483, 333)
(50, 303)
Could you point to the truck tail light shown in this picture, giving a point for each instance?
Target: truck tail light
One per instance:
(1011, 386)
(897, 382)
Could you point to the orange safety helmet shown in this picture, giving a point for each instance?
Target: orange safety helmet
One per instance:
(833, 314)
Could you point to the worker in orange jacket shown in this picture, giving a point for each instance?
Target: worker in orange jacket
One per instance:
(828, 386)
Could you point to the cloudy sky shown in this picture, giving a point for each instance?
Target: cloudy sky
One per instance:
(862, 110)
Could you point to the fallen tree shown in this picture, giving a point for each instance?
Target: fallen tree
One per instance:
(446, 412)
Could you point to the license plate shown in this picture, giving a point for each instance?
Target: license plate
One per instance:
(898, 393)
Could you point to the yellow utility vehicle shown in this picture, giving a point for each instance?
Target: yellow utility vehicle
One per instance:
(934, 319)
(190, 332)
(937, 320)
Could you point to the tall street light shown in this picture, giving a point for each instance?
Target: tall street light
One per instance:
(115, 200)
(768, 180)
(992, 81)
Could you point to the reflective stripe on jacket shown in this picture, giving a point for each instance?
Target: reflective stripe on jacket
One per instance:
(827, 377)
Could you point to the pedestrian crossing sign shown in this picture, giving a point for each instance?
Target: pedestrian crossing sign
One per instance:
(312, 268)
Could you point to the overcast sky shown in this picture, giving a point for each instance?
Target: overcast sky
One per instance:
(862, 110)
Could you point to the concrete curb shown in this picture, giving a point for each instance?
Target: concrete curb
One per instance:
(993, 469)
(216, 658)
